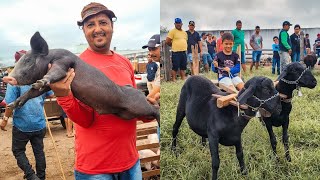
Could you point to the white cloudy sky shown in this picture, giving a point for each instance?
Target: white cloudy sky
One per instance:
(56, 22)
(222, 14)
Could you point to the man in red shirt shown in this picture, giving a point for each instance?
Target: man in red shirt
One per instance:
(105, 144)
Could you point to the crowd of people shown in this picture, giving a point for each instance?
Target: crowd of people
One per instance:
(285, 49)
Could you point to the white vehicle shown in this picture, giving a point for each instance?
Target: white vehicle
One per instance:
(141, 82)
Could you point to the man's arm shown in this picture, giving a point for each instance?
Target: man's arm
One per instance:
(79, 113)
(7, 114)
(284, 41)
(169, 41)
(11, 95)
(169, 38)
(200, 46)
(251, 43)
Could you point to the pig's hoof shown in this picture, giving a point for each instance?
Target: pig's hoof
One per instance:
(39, 84)
(15, 104)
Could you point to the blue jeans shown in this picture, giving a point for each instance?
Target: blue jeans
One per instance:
(206, 58)
(189, 55)
(295, 56)
(275, 62)
(318, 52)
(133, 173)
(213, 55)
(243, 57)
(256, 55)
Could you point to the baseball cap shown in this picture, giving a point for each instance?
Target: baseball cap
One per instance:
(318, 34)
(154, 41)
(93, 9)
(286, 23)
(191, 23)
(177, 20)
(19, 54)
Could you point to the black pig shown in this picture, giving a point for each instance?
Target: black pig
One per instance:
(103, 95)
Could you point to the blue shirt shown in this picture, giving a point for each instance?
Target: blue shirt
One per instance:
(276, 49)
(30, 116)
(152, 68)
(193, 39)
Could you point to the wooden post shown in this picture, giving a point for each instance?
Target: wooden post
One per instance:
(195, 59)
(301, 45)
(166, 60)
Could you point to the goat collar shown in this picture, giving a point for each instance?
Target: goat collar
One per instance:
(262, 101)
(255, 109)
(297, 80)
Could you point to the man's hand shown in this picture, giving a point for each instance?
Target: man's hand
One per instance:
(3, 125)
(153, 101)
(63, 87)
(226, 69)
(290, 51)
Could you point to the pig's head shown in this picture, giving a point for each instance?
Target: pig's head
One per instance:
(33, 65)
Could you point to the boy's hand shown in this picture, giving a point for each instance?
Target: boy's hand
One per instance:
(3, 125)
(226, 69)
(215, 63)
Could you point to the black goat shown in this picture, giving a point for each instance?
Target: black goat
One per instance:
(222, 125)
(292, 77)
(310, 60)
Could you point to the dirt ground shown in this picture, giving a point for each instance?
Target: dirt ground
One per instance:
(9, 169)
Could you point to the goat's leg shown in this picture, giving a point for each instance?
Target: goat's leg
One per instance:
(239, 153)
(285, 140)
(179, 117)
(273, 139)
(214, 150)
(203, 141)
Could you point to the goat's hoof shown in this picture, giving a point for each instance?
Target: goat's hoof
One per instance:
(244, 172)
(288, 157)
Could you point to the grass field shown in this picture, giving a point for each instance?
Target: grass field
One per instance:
(194, 160)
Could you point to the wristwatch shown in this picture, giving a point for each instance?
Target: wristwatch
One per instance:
(5, 118)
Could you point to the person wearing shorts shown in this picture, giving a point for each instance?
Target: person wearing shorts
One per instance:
(193, 39)
(177, 38)
(238, 36)
(256, 44)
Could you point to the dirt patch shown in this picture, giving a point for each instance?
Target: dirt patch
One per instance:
(9, 169)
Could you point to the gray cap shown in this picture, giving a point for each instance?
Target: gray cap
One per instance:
(154, 41)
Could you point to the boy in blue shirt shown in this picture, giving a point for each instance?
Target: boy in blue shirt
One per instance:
(152, 68)
(227, 64)
(276, 57)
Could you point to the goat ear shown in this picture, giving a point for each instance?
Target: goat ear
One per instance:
(283, 74)
(39, 45)
(244, 94)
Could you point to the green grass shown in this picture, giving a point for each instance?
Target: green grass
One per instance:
(194, 160)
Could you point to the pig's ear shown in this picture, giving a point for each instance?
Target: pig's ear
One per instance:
(39, 45)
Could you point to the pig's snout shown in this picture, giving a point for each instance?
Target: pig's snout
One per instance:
(10, 80)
